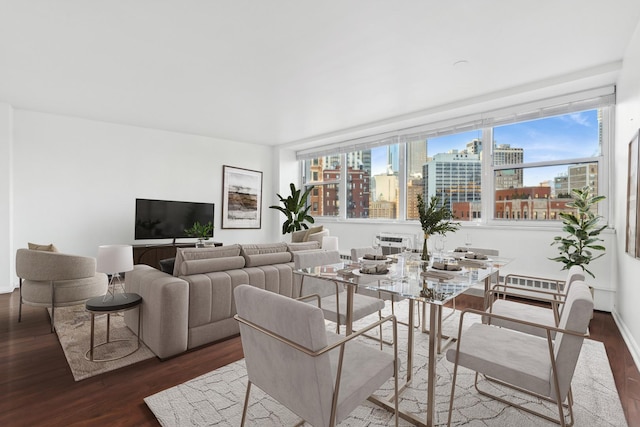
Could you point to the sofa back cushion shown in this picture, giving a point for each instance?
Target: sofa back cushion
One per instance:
(303, 246)
(256, 255)
(209, 259)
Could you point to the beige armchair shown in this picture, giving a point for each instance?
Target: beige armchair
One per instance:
(320, 376)
(53, 279)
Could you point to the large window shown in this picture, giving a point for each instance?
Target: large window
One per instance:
(530, 166)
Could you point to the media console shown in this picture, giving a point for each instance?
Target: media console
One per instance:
(152, 254)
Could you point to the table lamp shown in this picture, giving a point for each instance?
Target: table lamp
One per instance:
(113, 260)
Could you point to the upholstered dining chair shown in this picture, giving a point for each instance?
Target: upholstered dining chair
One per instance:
(539, 366)
(548, 314)
(356, 254)
(53, 279)
(319, 376)
(333, 296)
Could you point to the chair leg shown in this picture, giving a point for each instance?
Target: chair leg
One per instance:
(246, 404)
(53, 306)
(20, 306)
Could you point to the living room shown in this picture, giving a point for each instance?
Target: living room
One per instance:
(70, 175)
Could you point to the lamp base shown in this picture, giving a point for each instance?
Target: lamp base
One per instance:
(114, 282)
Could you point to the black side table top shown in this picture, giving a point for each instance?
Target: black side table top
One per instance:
(116, 302)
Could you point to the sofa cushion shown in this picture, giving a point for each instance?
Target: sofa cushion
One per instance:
(210, 265)
(265, 254)
(187, 254)
(303, 246)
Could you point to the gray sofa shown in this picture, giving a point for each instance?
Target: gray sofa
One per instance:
(195, 305)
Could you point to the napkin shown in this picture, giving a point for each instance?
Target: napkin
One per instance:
(440, 275)
(374, 269)
(471, 263)
(471, 255)
(448, 267)
(374, 257)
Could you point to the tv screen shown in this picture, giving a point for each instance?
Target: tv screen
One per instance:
(166, 219)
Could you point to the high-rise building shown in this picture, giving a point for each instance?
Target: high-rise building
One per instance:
(504, 154)
(416, 157)
(453, 177)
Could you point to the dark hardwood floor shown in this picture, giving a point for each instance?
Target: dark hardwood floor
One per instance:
(38, 388)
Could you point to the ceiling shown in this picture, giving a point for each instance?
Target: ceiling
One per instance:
(286, 71)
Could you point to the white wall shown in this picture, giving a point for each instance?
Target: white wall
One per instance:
(6, 194)
(75, 181)
(627, 313)
(530, 247)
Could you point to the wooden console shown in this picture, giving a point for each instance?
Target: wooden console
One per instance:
(152, 254)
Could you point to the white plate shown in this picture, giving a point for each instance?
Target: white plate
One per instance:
(374, 261)
(357, 272)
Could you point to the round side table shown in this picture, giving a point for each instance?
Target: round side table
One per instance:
(108, 304)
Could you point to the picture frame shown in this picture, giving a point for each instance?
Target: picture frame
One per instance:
(241, 198)
(632, 245)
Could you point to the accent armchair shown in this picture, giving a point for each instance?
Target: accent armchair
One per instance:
(53, 279)
(319, 376)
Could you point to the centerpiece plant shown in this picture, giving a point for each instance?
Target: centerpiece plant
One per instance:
(435, 218)
(583, 228)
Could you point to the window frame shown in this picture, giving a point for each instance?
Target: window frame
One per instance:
(601, 98)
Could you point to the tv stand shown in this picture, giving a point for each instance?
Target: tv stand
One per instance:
(152, 254)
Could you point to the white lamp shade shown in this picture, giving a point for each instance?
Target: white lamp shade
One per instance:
(114, 259)
(330, 243)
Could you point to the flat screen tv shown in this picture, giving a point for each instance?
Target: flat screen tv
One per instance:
(167, 219)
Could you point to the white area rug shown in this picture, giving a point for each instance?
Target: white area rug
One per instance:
(217, 398)
(73, 326)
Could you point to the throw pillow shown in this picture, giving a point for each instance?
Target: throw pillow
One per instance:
(312, 230)
(47, 248)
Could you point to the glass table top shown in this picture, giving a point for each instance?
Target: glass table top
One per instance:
(436, 281)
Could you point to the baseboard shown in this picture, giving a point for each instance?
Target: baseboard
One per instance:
(632, 345)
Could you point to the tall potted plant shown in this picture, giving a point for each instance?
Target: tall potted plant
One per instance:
(295, 209)
(578, 246)
(434, 219)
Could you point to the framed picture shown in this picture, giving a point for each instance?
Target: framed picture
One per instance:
(632, 243)
(241, 198)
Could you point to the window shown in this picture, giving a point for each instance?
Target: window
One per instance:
(530, 157)
(553, 156)
(324, 174)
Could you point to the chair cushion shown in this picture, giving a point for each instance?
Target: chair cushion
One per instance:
(516, 358)
(363, 306)
(518, 310)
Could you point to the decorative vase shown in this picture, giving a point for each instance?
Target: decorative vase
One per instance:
(425, 248)
(200, 243)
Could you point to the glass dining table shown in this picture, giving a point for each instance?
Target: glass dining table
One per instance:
(434, 283)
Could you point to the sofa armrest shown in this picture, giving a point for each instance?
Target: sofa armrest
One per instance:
(165, 310)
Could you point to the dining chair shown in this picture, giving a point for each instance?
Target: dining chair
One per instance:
(319, 376)
(549, 314)
(538, 366)
(333, 296)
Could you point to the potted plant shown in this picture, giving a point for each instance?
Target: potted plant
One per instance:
(434, 219)
(581, 225)
(295, 209)
(201, 231)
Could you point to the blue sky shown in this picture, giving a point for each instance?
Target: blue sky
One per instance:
(553, 138)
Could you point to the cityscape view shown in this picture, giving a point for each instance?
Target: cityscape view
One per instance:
(553, 155)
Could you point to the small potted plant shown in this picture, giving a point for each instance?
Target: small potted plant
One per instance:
(434, 219)
(583, 228)
(201, 231)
